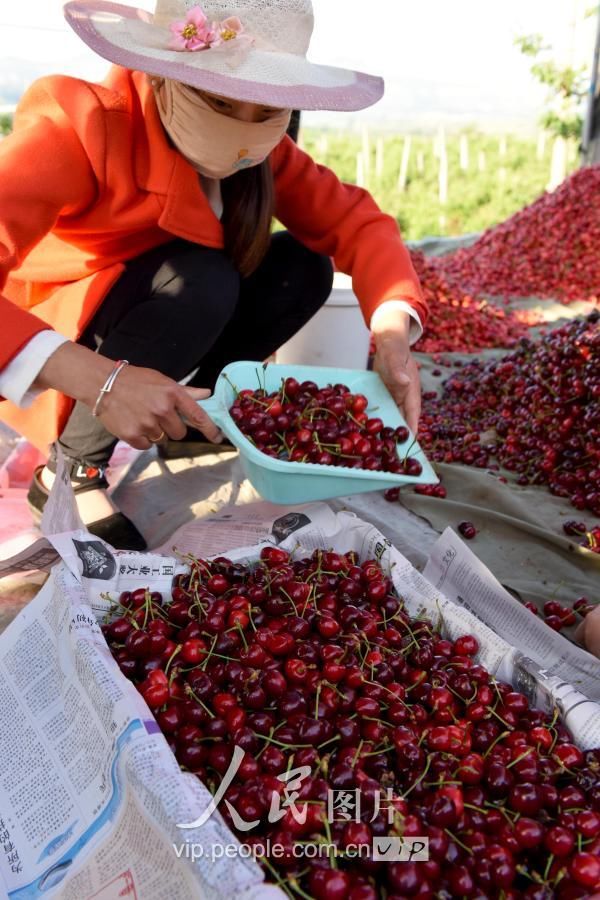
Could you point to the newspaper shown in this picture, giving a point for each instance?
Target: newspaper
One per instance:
(90, 801)
(92, 793)
(543, 660)
(240, 526)
(39, 556)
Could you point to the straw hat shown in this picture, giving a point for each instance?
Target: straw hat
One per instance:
(251, 50)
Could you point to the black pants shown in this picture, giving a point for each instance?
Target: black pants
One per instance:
(182, 307)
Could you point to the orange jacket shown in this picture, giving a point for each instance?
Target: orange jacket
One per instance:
(88, 180)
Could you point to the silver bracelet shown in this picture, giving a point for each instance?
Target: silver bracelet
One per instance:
(108, 384)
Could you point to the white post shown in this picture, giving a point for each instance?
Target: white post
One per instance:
(402, 178)
(323, 148)
(420, 162)
(464, 153)
(380, 159)
(366, 152)
(558, 166)
(541, 145)
(443, 173)
(360, 170)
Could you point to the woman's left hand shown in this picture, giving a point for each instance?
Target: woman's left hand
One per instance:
(395, 363)
(588, 632)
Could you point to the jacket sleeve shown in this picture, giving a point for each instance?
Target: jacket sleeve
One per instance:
(344, 222)
(45, 173)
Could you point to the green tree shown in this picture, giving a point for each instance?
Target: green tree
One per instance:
(568, 87)
(5, 124)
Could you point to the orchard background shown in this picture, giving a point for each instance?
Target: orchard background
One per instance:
(446, 184)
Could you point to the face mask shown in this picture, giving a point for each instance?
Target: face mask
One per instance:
(216, 145)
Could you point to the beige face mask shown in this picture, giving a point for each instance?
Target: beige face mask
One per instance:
(216, 145)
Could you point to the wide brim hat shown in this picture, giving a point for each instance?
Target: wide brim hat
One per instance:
(255, 50)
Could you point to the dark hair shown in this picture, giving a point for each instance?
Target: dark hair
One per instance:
(248, 209)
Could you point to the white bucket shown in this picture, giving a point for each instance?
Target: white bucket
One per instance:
(336, 336)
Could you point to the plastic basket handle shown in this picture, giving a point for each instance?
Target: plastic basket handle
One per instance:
(214, 409)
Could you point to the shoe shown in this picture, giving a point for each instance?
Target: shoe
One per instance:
(117, 530)
(192, 445)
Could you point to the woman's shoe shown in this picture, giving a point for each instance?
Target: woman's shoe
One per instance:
(117, 530)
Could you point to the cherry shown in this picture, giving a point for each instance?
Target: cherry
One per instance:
(588, 823)
(281, 644)
(466, 645)
(559, 841)
(568, 755)
(468, 530)
(329, 884)
(193, 651)
(460, 881)
(552, 608)
(584, 868)
(156, 695)
(528, 832)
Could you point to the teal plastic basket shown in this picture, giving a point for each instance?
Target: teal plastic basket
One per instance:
(285, 482)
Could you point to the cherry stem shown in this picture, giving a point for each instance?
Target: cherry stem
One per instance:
(238, 625)
(191, 692)
(271, 740)
(420, 778)
(458, 841)
(209, 654)
(279, 881)
(172, 657)
(330, 855)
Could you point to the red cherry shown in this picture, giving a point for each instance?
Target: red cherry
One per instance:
(466, 645)
(156, 695)
(585, 869)
(528, 833)
(193, 651)
(559, 841)
(468, 530)
(588, 823)
(329, 884)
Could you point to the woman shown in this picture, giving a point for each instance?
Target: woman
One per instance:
(135, 225)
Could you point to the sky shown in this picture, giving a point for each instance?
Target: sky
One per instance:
(439, 57)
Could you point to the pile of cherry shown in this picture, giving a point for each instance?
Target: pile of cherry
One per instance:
(559, 616)
(536, 412)
(548, 249)
(315, 663)
(329, 426)
(462, 321)
(589, 537)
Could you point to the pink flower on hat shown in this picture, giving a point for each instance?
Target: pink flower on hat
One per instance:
(194, 33)
(227, 30)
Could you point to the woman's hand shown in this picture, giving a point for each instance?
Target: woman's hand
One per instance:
(588, 632)
(395, 363)
(142, 403)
